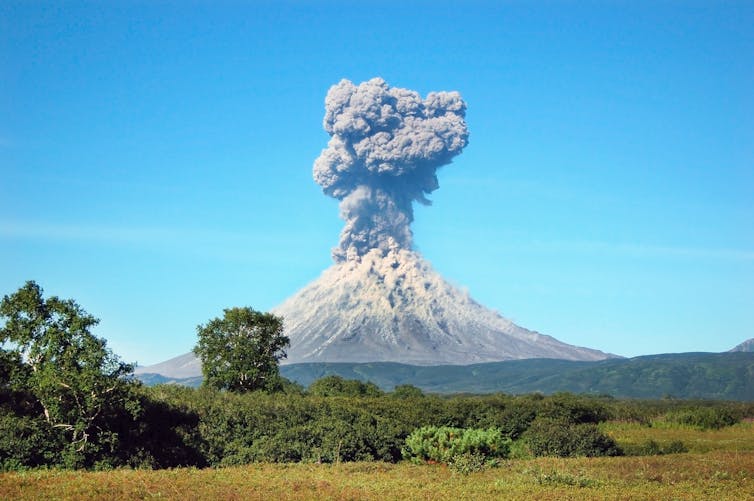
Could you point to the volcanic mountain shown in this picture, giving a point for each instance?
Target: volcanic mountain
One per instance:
(381, 301)
(397, 308)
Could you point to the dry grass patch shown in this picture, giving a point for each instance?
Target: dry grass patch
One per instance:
(736, 438)
(716, 475)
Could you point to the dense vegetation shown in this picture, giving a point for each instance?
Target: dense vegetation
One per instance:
(67, 401)
(341, 421)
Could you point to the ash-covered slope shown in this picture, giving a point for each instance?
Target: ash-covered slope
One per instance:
(397, 308)
(746, 346)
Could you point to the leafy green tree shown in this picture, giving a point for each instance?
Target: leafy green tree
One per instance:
(407, 391)
(241, 351)
(49, 353)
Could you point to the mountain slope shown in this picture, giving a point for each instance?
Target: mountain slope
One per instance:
(397, 308)
(747, 346)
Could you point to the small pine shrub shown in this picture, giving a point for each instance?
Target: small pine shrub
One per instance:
(442, 444)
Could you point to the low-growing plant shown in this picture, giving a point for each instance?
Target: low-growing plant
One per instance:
(470, 462)
(652, 448)
(442, 444)
(704, 418)
(556, 478)
(549, 437)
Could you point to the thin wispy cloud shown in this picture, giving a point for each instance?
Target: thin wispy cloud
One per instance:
(224, 245)
(646, 250)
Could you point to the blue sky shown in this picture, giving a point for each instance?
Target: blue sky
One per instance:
(155, 160)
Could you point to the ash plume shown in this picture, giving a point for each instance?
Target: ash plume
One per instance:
(386, 146)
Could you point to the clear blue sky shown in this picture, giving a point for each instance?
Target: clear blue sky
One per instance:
(155, 160)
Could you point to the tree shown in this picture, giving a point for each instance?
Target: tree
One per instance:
(336, 386)
(241, 351)
(49, 352)
(407, 391)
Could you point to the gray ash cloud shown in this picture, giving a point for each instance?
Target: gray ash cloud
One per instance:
(386, 146)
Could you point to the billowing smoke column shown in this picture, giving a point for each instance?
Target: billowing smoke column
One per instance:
(386, 146)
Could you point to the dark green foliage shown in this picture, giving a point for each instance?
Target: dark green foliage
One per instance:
(704, 418)
(182, 426)
(674, 447)
(573, 409)
(551, 437)
(336, 386)
(445, 444)
(65, 376)
(469, 462)
(240, 352)
(652, 448)
(26, 439)
(406, 391)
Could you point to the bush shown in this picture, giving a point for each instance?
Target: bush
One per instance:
(406, 391)
(704, 418)
(444, 444)
(548, 437)
(573, 409)
(652, 448)
(336, 386)
(468, 463)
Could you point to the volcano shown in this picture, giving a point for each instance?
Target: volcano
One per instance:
(395, 307)
(381, 301)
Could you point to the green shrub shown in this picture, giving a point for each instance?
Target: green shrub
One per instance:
(704, 418)
(336, 386)
(573, 409)
(652, 448)
(469, 462)
(549, 437)
(406, 391)
(443, 444)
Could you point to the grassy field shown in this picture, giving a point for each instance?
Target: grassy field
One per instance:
(719, 466)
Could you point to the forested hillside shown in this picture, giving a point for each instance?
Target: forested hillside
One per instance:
(726, 376)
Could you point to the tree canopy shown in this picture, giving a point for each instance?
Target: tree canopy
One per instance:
(241, 351)
(48, 352)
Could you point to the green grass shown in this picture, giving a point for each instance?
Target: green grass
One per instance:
(736, 438)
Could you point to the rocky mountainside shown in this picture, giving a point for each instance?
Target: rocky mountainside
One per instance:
(396, 308)
(747, 346)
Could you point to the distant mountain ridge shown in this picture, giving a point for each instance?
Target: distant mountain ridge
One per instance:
(722, 376)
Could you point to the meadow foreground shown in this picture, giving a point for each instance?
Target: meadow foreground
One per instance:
(719, 475)
(719, 466)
